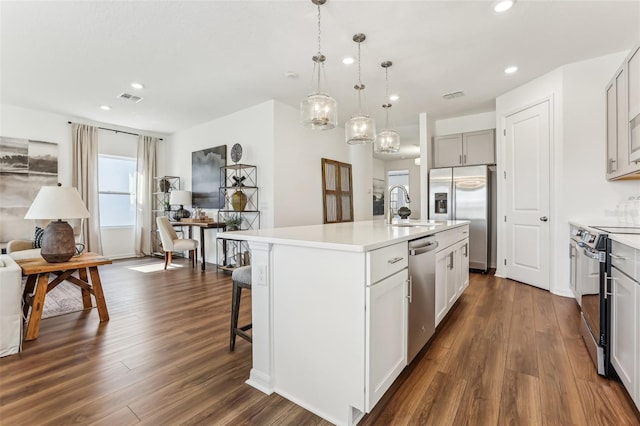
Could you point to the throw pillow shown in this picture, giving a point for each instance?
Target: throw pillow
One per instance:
(37, 240)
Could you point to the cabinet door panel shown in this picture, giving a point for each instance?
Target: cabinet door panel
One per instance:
(612, 130)
(463, 263)
(442, 262)
(633, 93)
(623, 329)
(622, 122)
(478, 148)
(447, 151)
(386, 335)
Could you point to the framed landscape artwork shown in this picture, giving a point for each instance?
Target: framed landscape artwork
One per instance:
(378, 197)
(205, 177)
(25, 167)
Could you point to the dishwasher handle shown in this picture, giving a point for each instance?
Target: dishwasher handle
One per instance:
(430, 246)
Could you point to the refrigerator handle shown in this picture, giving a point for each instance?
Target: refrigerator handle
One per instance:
(452, 215)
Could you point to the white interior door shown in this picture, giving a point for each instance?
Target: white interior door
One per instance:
(527, 196)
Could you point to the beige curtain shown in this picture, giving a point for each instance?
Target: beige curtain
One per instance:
(85, 178)
(145, 172)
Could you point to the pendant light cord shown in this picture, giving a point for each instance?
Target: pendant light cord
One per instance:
(359, 82)
(387, 104)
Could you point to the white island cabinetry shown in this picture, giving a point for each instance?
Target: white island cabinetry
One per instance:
(625, 315)
(386, 332)
(330, 311)
(452, 268)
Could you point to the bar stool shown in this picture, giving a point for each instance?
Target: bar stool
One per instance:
(240, 278)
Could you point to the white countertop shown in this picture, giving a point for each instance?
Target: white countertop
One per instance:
(627, 239)
(347, 236)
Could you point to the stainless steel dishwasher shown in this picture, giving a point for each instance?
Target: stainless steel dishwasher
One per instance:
(422, 293)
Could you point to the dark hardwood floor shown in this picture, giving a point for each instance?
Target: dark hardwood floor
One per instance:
(508, 354)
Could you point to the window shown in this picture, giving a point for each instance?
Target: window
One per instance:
(117, 190)
(337, 191)
(398, 177)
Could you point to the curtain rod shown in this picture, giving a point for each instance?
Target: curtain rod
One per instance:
(117, 131)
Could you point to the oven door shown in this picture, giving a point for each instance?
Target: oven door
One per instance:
(573, 270)
(588, 287)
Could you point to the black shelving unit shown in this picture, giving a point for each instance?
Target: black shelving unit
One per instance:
(237, 178)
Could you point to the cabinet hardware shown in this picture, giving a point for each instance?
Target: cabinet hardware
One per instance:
(410, 295)
(615, 256)
(395, 260)
(544, 218)
(460, 159)
(607, 278)
(464, 158)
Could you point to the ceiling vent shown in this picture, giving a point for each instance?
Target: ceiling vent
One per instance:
(129, 97)
(453, 95)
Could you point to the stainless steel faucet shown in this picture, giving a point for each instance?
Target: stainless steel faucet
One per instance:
(406, 196)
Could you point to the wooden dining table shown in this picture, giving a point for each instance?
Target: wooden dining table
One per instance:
(203, 226)
(38, 272)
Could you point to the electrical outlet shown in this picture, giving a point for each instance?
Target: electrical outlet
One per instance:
(261, 275)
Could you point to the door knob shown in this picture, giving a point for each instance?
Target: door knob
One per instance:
(544, 218)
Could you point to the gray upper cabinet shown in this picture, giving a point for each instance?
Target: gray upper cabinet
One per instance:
(464, 149)
(623, 120)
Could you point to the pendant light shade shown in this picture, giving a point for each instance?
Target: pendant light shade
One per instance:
(360, 128)
(388, 141)
(318, 111)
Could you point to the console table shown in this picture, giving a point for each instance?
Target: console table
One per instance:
(38, 271)
(202, 226)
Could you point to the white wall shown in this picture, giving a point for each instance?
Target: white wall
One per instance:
(466, 123)
(298, 171)
(253, 129)
(578, 184)
(33, 124)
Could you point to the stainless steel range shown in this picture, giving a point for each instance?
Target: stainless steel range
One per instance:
(589, 250)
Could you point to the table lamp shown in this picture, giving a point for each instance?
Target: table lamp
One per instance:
(57, 202)
(180, 198)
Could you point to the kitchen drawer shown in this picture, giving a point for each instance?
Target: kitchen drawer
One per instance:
(451, 236)
(623, 258)
(387, 261)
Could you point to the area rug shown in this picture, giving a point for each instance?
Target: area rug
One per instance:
(63, 299)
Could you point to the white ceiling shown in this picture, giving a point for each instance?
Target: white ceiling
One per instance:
(200, 60)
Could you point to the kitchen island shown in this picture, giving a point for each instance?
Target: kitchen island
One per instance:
(329, 310)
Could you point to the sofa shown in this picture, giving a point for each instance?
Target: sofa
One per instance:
(22, 249)
(10, 306)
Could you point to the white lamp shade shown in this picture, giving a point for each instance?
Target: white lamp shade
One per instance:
(387, 141)
(182, 198)
(319, 111)
(360, 129)
(57, 202)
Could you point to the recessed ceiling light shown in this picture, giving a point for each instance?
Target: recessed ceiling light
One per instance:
(394, 97)
(348, 60)
(105, 107)
(510, 70)
(138, 86)
(291, 74)
(503, 5)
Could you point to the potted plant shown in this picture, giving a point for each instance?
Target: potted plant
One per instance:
(233, 223)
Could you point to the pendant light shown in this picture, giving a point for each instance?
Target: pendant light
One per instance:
(387, 141)
(360, 128)
(318, 111)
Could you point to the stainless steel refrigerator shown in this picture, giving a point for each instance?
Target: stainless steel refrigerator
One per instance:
(462, 193)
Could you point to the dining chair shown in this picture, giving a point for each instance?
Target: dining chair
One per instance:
(171, 242)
